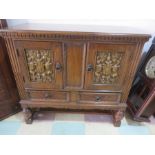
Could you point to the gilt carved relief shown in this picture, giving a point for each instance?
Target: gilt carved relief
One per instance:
(40, 65)
(107, 67)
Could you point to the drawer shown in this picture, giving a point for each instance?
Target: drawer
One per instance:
(48, 95)
(99, 98)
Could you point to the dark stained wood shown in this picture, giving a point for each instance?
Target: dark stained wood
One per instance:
(3, 24)
(94, 71)
(9, 98)
(150, 109)
(142, 95)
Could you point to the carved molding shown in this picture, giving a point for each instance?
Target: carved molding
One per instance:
(72, 36)
(107, 67)
(16, 67)
(39, 65)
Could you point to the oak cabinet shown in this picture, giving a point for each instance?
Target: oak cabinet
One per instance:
(73, 70)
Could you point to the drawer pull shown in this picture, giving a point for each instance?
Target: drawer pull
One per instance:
(98, 98)
(90, 67)
(48, 95)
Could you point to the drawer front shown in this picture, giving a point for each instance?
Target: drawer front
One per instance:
(48, 95)
(99, 98)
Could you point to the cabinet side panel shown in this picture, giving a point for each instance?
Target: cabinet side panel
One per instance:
(16, 67)
(131, 73)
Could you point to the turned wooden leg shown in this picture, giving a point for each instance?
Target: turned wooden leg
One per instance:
(28, 115)
(117, 117)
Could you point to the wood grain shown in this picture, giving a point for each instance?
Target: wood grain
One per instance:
(76, 63)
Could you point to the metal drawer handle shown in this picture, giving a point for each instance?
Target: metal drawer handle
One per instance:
(90, 67)
(58, 66)
(98, 98)
(48, 95)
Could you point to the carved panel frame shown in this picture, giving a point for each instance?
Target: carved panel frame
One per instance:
(107, 67)
(40, 65)
(127, 52)
(55, 54)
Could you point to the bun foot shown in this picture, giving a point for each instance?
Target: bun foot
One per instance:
(29, 121)
(117, 123)
(117, 117)
(28, 115)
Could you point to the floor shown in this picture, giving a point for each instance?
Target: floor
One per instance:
(58, 123)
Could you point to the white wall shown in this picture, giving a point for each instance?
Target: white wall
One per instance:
(14, 22)
(145, 25)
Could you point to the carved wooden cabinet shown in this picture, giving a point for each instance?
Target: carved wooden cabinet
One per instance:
(73, 70)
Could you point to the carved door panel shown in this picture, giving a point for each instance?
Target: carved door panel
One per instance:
(107, 65)
(41, 63)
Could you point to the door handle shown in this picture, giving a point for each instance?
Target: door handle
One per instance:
(58, 66)
(90, 67)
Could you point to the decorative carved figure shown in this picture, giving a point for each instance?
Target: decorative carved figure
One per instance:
(39, 65)
(107, 67)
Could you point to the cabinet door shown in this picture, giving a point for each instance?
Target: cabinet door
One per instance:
(41, 63)
(107, 65)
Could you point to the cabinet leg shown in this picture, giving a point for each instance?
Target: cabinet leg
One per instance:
(117, 117)
(28, 115)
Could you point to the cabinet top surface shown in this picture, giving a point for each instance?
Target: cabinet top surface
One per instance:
(78, 28)
(76, 32)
